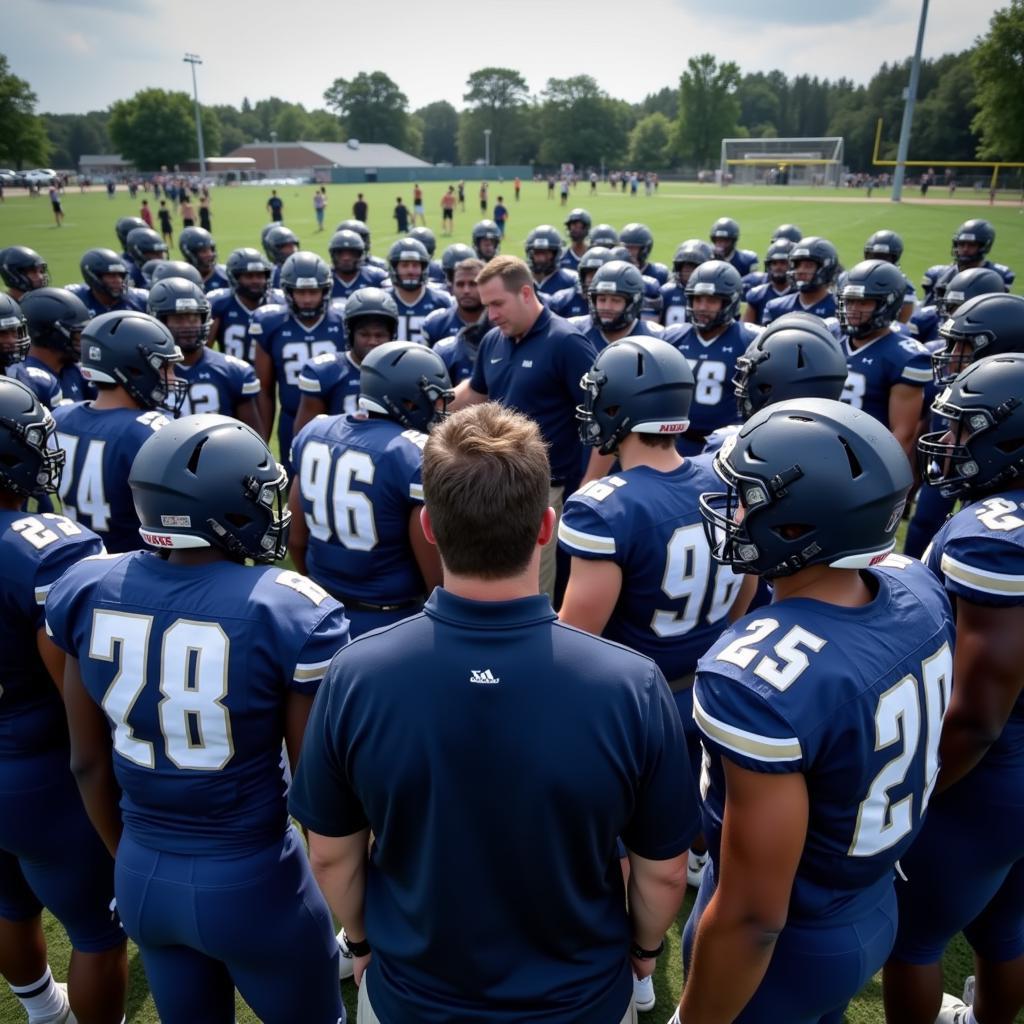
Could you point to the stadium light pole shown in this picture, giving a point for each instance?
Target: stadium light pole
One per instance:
(194, 59)
(487, 147)
(908, 110)
(273, 139)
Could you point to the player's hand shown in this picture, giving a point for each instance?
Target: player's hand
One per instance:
(360, 964)
(643, 968)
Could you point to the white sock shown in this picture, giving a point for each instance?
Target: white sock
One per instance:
(41, 999)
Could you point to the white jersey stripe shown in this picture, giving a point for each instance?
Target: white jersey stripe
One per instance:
(981, 579)
(762, 748)
(588, 542)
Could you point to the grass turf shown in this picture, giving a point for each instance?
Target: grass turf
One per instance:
(676, 212)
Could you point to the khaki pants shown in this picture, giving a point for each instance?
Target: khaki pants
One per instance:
(556, 499)
(365, 1014)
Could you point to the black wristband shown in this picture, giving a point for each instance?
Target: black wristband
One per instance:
(356, 948)
(639, 953)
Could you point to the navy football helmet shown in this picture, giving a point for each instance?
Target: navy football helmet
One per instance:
(134, 350)
(872, 279)
(715, 277)
(159, 270)
(987, 325)
(404, 381)
(427, 237)
(306, 270)
(693, 252)
(978, 232)
(30, 461)
(545, 238)
(124, 226)
(884, 245)
(818, 482)
(370, 303)
(778, 252)
(347, 251)
(616, 277)
(486, 232)
(247, 261)
(198, 248)
(144, 244)
(796, 356)
(276, 240)
(452, 257)
(603, 235)
(965, 285)
(577, 223)
(97, 263)
(16, 261)
(637, 385)
(820, 251)
(984, 407)
(638, 236)
(14, 348)
(725, 233)
(359, 228)
(788, 231)
(590, 262)
(56, 319)
(211, 481)
(408, 250)
(176, 295)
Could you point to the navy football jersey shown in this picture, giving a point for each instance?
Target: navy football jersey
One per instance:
(442, 323)
(924, 324)
(36, 551)
(658, 271)
(73, 386)
(359, 479)
(458, 356)
(39, 380)
(640, 329)
(673, 304)
(793, 303)
(557, 281)
(569, 260)
(291, 344)
(714, 365)
(412, 315)
(218, 279)
(334, 378)
(852, 698)
(760, 295)
(651, 308)
(674, 598)
(217, 383)
(131, 298)
(366, 277)
(232, 320)
(979, 556)
(191, 665)
(101, 445)
(568, 302)
(943, 273)
(875, 367)
(744, 260)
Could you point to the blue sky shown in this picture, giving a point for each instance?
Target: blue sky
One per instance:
(82, 55)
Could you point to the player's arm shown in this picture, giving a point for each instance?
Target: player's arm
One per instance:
(428, 559)
(267, 399)
(298, 535)
(296, 714)
(214, 333)
(749, 314)
(464, 396)
(904, 414)
(591, 595)
(748, 588)
(764, 828)
(656, 892)
(247, 411)
(339, 866)
(988, 667)
(91, 758)
(310, 406)
(52, 657)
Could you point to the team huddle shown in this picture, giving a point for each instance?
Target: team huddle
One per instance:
(580, 542)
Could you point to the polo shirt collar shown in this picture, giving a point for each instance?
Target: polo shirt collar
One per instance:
(524, 611)
(539, 326)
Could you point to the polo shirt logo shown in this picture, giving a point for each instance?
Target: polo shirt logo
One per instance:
(483, 676)
(527, 364)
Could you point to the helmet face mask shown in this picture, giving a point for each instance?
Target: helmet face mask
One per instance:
(688, 256)
(544, 248)
(714, 279)
(23, 269)
(30, 461)
(409, 263)
(105, 273)
(371, 319)
(725, 233)
(486, 240)
(248, 274)
(348, 253)
(14, 337)
(985, 325)
(623, 281)
(639, 240)
(871, 298)
(776, 261)
(198, 248)
(306, 281)
(972, 242)
(184, 309)
(822, 255)
(577, 224)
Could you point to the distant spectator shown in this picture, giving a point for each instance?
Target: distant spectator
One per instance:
(517, 185)
(551, 187)
(275, 206)
(188, 212)
(359, 208)
(110, 188)
(166, 228)
(462, 195)
(319, 205)
(146, 213)
(483, 196)
(401, 216)
(417, 206)
(564, 192)
(448, 210)
(204, 210)
(58, 210)
(500, 214)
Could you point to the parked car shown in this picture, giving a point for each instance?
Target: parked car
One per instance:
(40, 176)
(8, 177)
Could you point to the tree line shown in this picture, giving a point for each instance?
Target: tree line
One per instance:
(969, 106)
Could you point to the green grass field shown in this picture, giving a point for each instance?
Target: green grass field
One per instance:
(678, 211)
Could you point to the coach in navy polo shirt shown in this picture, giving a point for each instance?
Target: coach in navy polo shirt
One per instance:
(495, 754)
(533, 361)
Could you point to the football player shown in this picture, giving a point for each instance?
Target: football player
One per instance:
(972, 242)
(56, 319)
(187, 670)
(329, 382)
(364, 233)
(887, 245)
(123, 227)
(157, 270)
(22, 269)
(819, 716)
(356, 498)
(974, 819)
(451, 258)
(286, 337)
(887, 372)
(486, 240)
(217, 383)
(615, 295)
(49, 853)
(724, 236)
(813, 268)
(413, 297)
(577, 223)
(231, 309)
(459, 353)
(106, 287)
(573, 301)
(130, 358)
(348, 264)
(637, 238)
(603, 235)
(777, 281)
(467, 310)
(543, 248)
(435, 272)
(279, 243)
(688, 256)
(712, 341)
(142, 245)
(924, 324)
(15, 345)
(198, 248)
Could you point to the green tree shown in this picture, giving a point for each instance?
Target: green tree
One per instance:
(292, 124)
(664, 101)
(580, 124)
(155, 128)
(497, 99)
(709, 109)
(440, 125)
(650, 142)
(24, 139)
(324, 127)
(371, 106)
(998, 63)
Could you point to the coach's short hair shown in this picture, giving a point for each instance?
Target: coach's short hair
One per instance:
(485, 480)
(510, 270)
